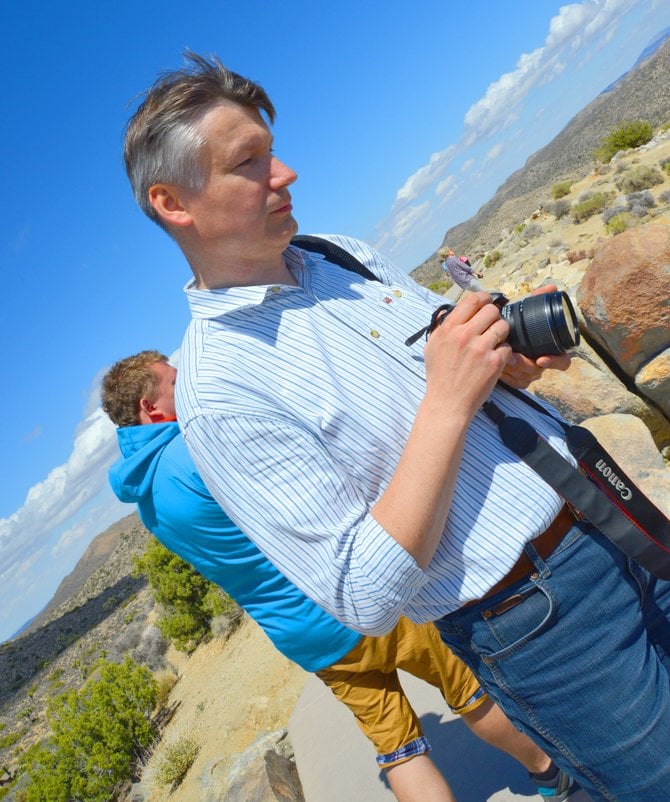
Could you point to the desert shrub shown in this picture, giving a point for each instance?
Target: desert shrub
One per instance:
(188, 600)
(518, 229)
(560, 190)
(440, 287)
(576, 256)
(639, 203)
(664, 197)
(560, 208)
(628, 135)
(618, 224)
(665, 165)
(586, 208)
(613, 211)
(491, 258)
(10, 739)
(638, 178)
(222, 626)
(96, 733)
(151, 649)
(165, 682)
(532, 230)
(177, 759)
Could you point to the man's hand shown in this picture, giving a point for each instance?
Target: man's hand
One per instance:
(520, 370)
(465, 356)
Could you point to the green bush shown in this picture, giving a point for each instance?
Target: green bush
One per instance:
(665, 165)
(188, 600)
(10, 739)
(491, 258)
(628, 135)
(440, 287)
(177, 759)
(561, 189)
(588, 207)
(618, 224)
(96, 733)
(638, 178)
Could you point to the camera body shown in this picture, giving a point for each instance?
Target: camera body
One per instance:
(540, 324)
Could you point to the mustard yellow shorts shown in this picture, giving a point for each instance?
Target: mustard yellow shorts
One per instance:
(366, 681)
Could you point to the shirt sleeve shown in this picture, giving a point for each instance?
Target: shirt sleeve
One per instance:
(280, 486)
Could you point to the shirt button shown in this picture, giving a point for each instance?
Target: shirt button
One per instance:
(397, 293)
(275, 289)
(375, 334)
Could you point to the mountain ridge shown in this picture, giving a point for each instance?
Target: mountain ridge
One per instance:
(642, 93)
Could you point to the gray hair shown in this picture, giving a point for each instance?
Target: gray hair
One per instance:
(163, 139)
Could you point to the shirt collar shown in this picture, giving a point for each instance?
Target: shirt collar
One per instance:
(213, 303)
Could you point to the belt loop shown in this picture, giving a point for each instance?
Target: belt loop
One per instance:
(542, 568)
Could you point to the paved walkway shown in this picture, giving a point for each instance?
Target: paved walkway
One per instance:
(336, 762)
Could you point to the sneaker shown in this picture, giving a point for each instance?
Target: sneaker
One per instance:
(557, 789)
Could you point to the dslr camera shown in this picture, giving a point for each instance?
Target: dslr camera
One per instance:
(540, 324)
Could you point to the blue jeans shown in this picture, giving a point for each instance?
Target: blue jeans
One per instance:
(577, 655)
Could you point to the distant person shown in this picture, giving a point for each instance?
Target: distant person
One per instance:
(157, 473)
(460, 271)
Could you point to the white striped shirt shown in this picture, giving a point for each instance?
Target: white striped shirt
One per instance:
(296, 403)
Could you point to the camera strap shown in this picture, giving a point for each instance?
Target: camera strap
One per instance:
(600, 490)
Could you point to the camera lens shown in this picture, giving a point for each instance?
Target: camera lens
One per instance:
(542, 324)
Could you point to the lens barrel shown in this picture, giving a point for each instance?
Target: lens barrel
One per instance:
(542, 324)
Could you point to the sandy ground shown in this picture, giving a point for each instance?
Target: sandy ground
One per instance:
(230, 692)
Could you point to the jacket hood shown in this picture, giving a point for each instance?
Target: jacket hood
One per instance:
(131, 476)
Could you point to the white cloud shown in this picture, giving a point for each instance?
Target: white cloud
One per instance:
(493, 153)
(400, 225)
(425, 176)
(446, 190)
(446, 187)
(65, 490)
(68, 538)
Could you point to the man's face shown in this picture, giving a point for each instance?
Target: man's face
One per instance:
(244, 209)
(163, 401)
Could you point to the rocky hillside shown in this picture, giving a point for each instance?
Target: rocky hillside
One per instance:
(96, 555)
(104, 611)
(643, 93)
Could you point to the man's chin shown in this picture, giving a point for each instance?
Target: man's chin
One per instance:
(291, 229)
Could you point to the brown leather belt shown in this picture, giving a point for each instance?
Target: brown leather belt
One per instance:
(544, 545)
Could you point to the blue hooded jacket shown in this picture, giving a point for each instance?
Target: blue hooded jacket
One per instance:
(157, 473)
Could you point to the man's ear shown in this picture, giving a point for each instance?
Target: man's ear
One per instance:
(149, 413)
(166, 201)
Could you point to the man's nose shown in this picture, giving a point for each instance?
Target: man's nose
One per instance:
(281, 175)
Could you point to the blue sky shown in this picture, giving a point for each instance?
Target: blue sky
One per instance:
(401, 120)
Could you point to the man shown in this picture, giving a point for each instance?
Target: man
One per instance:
(157, 473)
(459, 270)
(385, 489)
